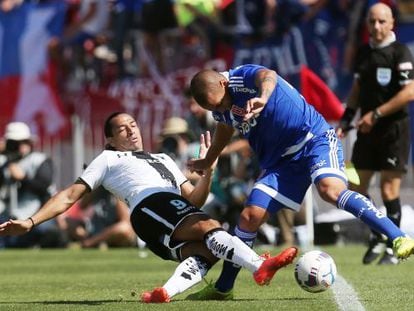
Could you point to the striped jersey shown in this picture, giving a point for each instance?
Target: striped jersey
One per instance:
(132, 176)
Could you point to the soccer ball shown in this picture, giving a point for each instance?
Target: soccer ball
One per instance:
(315, 271)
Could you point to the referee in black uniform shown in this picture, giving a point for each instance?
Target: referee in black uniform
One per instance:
(382, 89)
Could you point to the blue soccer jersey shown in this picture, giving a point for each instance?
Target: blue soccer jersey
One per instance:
(293, 142)
(286, 123)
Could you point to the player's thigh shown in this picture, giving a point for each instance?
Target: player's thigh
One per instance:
(281, 187)
(156, 218)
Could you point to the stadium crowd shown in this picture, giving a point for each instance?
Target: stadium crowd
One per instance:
(116, 42)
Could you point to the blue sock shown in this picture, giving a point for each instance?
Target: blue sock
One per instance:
(229, 272)
(363, 208)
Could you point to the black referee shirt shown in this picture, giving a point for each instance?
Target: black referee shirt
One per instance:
(382, 72)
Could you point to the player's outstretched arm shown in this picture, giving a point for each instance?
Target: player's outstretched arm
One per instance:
(222, 136)
(197, 194)
(397, 102)
(56, 205)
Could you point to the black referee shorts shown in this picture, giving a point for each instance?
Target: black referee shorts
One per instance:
(155, 218)
(383, 149)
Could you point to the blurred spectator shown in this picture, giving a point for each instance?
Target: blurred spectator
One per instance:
(199, 119)
(199, 22)
(125, 18)
(83, 34)
(8, 5)
(161, 33)
(92, 20)
(26, 181)
(100, 220)
(287, 221)
(176, 141)
(250, 20)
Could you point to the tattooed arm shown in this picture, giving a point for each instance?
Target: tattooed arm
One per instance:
(266, 82)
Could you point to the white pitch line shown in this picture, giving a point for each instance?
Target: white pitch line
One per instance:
(345, 296)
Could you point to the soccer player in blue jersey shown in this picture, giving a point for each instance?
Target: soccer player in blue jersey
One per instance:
(295, 147)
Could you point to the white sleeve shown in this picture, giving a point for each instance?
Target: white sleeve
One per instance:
(95, 172)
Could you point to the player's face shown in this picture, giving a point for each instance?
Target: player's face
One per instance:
(380, 23)
(126, 134)
(220, 100)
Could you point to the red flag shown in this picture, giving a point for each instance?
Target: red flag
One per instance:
(28, 91)
(319, 95)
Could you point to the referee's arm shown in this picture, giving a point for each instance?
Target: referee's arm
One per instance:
(402, 98)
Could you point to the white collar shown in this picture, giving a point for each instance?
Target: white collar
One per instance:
(391, 38)
(226, 74)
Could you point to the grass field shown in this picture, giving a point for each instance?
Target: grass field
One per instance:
(103, 280)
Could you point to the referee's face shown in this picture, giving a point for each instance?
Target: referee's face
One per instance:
(380, 22)
(126, 135)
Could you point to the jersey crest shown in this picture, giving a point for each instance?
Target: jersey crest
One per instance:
(384, 76)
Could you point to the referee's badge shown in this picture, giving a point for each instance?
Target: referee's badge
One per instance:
(383, 76)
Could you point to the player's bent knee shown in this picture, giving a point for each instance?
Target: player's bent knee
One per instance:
(194, 227)
(252, 218)
(329, 190)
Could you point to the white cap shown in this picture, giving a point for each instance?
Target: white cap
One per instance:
(174, 126)
(17, 131)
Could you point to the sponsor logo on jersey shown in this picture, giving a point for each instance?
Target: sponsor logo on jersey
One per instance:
(318, 165)
(243, 90)
(384, 76)
(236, 83)
(238, 111)
(245, 127)
(405, 66)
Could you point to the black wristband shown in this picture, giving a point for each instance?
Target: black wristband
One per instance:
(348, 115)
(33, 223)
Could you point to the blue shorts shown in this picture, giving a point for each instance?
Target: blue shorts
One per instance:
(285, 185)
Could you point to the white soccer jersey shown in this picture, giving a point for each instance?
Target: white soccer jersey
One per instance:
(132, 176)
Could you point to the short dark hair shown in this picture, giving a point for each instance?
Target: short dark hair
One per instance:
(108, 125)
(198, 87)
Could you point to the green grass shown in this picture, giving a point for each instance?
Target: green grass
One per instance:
(103, 280)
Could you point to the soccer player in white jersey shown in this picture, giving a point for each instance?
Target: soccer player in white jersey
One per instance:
(164, 210)
(295, 147)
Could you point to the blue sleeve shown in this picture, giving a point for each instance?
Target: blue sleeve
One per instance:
(248, 72)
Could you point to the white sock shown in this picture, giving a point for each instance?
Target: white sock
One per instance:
(188, 273)
(231, 248)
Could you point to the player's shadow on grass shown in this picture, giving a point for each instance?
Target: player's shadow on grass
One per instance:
(70, 302)
(252, 299)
